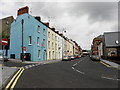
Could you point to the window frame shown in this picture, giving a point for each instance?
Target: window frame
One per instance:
(30, 40)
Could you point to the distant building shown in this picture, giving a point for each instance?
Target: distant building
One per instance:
(96, 44)
(5, 24)
(35, 37)
(106, 46)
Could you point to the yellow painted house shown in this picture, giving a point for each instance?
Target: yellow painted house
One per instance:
(51, 44)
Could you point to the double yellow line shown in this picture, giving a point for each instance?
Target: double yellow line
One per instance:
(105, 64)
(14, 80)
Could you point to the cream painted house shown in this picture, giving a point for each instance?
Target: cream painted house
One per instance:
(51, 44)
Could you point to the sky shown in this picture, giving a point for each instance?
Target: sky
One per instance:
(83, 21)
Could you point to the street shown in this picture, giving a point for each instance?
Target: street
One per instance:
(79, 73)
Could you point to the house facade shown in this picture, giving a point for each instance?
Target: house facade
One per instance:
(34, 37)
(51, 44)
(112, 45)
(5, 24)
(58, 46)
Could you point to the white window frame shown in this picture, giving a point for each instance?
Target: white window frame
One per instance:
(30, 40)
(49, 44)
(38, 29)
(38, 40)
(39, 54)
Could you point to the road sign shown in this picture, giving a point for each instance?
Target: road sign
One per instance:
(24, 48)
(4, 41)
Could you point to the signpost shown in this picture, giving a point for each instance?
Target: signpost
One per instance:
(24, 49)
(4, 42)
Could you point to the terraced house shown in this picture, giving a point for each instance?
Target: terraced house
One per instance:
(40, 41)
(51, 43)
(34, 37)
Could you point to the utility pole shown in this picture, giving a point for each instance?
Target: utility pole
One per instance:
(22, 41)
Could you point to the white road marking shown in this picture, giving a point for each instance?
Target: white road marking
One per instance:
(110, 78)
(80, 72)
(75, 64)
(76, 69)
(26, 67)
(33, 65)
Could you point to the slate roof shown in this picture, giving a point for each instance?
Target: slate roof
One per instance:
(111, 38)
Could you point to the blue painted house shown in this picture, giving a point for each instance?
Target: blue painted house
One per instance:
(34, 37)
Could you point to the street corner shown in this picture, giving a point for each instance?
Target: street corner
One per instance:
(14, 78)
(7, 74)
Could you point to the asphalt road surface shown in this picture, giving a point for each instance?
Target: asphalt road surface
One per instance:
(79, 73)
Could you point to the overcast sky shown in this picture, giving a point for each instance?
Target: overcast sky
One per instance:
(82, 21)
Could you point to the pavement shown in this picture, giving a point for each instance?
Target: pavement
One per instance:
(6, 75)
(10, 69)
(111, 64)
(33, 62)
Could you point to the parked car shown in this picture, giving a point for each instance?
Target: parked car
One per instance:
(66, 58)
(95, 57)
(72, 57)
(77, 56)
(5, 57)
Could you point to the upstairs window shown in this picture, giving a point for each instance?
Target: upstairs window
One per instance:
(49, 44)
(49, 34)
(39, 54)
(38, 29)
(30, 40)
(38, 39)
(44, 31)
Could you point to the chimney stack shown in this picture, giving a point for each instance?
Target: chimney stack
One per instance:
(47, 24)
(23, 10)
(38, 18)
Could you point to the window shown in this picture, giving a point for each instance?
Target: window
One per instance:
(43, 30)
(49, 44)
(38, 39)
(43, 44)
(56, 38)
(7, 22)
(52, 36)
(49, 55)
(38, 29)
(39, 54)
(49, 34)
(52, 45)
(30, 40)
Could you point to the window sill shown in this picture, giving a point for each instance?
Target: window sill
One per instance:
(38, 45)
(29, 44)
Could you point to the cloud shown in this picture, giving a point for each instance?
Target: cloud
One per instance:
(82, 20)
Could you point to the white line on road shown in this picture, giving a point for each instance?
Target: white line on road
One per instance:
(110, 78)
(76, 69)
(75, 64)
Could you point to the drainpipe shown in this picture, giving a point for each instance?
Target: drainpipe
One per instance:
(22, 41)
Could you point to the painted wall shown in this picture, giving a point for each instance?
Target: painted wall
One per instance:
(58, 47)
(30, 29)
(51, 44)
